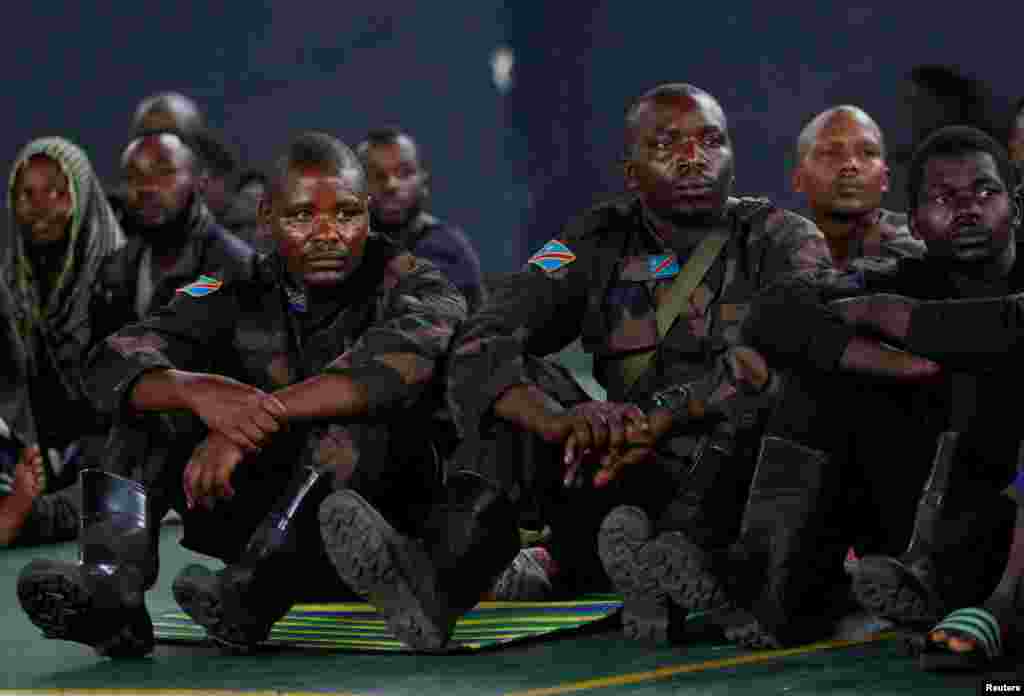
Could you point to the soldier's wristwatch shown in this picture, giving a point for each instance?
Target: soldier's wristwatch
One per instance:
(676, 399)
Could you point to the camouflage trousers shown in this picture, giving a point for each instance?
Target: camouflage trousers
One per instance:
(398, 475)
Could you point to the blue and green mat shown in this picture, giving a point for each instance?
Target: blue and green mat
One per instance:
(359, 627)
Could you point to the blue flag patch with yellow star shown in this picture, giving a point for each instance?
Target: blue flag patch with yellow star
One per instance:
(552, 256)
(663, 265)
(202, 287)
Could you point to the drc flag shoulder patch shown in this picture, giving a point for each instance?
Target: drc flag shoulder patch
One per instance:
(552, 256)
(663, 265)
(202, 287)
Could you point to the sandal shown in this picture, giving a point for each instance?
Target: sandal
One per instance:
(948, 645)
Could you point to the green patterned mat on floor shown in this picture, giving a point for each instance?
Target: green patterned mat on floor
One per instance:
(359, 627)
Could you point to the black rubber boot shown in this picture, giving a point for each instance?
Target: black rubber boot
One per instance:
(99, 601)
(785, 572)
(422, 586)
(757, 587)
(905, 589)
(239, 604)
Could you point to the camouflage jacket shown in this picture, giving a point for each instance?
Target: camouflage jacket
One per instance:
(209, 248)
(601, 280)
(974, 334)
(390, 337)
(888, 237)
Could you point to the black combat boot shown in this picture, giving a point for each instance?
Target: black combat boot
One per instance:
(239, 604)
(422, 586)
(760, 584)
(99, 600)
(637, 563)
(906, 589)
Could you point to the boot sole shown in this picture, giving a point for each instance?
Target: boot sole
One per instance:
(693, 585)
(886, 588)
(646, 610)
(200, 598)
(682, 570)
(58, 601)
(386, 569)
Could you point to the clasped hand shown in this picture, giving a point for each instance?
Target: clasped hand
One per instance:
(609, 435)
(245, 415)
(241, 419)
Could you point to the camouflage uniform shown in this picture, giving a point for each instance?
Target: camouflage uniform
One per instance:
(881, 407)
(888, 238)
(207, 247)
(388, 336)
(449, 249)
(618, 269)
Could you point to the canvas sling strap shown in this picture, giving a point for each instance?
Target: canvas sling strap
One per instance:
(690, 276)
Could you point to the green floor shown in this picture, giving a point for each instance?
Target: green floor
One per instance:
(599, 662)
(626, 667)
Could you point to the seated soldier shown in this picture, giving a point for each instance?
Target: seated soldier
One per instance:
(613, 278)
(173, 239)
(173, 236)
(961, 187)
(64, 230)
(841, 170)
(323, 364)
(399, 183)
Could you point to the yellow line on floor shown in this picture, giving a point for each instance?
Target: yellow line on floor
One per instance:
(664, 672)
(168, 692)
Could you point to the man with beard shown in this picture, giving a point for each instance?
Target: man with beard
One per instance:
(324, 361)
(173, 237)
(174, 112)
(399, 184)
(841, 169)
(966, 317)
(683, 396)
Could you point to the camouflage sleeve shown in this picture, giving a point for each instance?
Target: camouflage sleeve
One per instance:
(399, 354)
(789, 318)
(956, 332)
(184, 334)
(535, 311)
(54, 518)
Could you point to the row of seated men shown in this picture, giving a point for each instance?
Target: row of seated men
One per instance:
(774, 398)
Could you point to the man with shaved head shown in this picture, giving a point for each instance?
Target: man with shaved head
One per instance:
(173, 111)
(679, 435)
(841, 169)
(173, 237)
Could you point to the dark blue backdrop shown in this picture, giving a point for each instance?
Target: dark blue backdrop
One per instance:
(510, 167)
